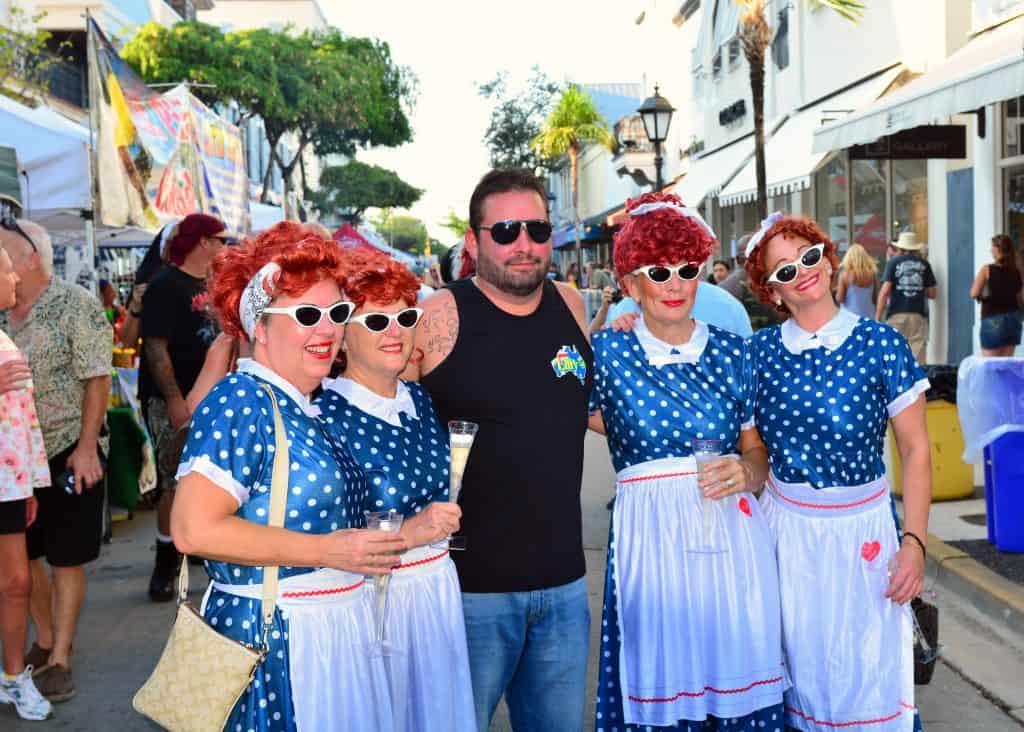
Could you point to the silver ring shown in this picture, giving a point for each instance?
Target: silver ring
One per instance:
(730, 483)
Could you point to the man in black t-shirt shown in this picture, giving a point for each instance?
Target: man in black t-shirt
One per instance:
(907, 284)
(176, 333)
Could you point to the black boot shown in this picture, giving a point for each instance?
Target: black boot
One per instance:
(162, 585)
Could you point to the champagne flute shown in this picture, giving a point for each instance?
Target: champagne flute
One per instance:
(389, 520)
(460, 440)
(705, 452)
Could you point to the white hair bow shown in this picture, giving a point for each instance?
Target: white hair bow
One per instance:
(690, 213)
(256, 297)
(761, 231)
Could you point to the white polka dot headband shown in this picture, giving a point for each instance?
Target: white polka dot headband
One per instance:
(762, 230)
(690, 213)
(257, 296)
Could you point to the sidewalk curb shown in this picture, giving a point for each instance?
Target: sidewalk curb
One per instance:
(992, 594)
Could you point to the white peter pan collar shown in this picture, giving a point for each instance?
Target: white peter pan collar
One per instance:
(830, 336)
(660, 353)
(253, 367)
(374, 404)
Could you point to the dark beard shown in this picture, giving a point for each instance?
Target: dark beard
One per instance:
(519, 284)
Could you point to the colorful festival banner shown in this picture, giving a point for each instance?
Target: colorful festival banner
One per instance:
(159, 157)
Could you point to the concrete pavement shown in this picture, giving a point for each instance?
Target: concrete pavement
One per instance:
(122, 633)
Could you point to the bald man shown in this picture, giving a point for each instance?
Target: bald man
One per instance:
(64, 334)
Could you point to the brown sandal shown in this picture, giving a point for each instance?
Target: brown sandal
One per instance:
(55, 683)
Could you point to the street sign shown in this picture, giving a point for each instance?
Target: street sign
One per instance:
(918, 143)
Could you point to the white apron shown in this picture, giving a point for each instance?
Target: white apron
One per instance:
(849, 650)
(429, 673)
(699, 632)
(337, 684)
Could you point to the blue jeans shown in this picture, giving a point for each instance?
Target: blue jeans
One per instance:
(532, 647)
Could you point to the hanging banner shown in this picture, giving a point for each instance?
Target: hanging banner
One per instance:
(159, 157)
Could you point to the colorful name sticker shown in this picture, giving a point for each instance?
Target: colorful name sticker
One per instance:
(569, 361)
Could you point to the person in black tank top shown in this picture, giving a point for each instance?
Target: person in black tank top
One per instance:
(998, 287)
(506, 350)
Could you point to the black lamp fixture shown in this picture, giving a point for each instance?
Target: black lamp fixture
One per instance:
(656, 112)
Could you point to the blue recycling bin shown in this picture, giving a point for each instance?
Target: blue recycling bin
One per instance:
(990, 401)
(1004, 492)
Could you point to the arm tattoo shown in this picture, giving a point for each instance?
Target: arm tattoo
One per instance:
(158, 359)
(441, 328)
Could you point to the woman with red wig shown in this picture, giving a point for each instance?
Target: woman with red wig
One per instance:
(691, 634)
(829, 384)
(279, 291)
(391, 428)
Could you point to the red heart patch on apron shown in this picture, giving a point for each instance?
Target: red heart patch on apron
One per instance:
(745, 506)
(870, 550)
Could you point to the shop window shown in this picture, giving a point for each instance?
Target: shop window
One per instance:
(780, 44)
(1013, 186)
(830, 198)
(910, 198)
(716, 65)
(734, 53)
(1013, 127)
(869, 191)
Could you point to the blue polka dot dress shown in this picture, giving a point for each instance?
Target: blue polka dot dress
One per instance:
(823, 402)
(690, 640)
(231, 443)
(403, 449)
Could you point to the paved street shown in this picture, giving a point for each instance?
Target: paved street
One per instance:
(122, 634)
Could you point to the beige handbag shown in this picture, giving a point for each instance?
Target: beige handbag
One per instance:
(201, 674)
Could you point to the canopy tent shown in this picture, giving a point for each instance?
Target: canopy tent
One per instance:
(263, 215)
(54, 156)
(352, 238)
(989, 69)
(707, 175)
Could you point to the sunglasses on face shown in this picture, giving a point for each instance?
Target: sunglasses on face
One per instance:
(787, 271)
(10, 223)
(380, 322)
(660, 274)
(308, 316)
(506, 232)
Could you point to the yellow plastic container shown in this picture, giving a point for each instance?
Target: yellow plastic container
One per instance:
(952, 478)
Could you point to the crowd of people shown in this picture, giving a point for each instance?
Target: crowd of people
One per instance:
(750, 481)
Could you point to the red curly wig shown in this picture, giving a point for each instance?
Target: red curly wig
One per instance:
(794, 226)
(663, 236)
(380, 279)
(305, 259)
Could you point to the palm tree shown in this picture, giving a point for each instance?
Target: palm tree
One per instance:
(572, 125)
(755, 35)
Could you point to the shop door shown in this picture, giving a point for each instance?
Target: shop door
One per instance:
(960, 213)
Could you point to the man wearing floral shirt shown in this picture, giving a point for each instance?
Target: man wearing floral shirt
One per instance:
(63, 333)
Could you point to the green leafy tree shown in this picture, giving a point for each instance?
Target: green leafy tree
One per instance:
(25, 58)
(755, 36)
(456, 224)
(333, 92)
(403, 232)
(357, 186)
(572, 125)
(517, 118)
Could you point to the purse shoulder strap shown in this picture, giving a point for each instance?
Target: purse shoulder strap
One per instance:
(278, 500)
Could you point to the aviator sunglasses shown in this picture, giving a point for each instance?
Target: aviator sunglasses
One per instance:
(787, 271)
(308, 316)
(380, 322)
(506, 232)
(661, 274)
(10, 223)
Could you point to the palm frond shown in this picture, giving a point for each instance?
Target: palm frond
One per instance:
(574, 121)
(851, 10)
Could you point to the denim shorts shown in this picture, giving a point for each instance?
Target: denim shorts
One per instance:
(1000, 330)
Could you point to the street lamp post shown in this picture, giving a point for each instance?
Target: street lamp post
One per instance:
(656, 113)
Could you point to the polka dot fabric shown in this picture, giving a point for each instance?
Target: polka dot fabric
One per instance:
(655, 412)
(406, 467)
(650, 413)
(823, 414)
(232, 443)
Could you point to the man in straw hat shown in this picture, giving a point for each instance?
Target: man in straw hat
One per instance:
(907, 281)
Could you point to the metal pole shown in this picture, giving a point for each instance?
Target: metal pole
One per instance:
(657, 165)
(93, 77)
